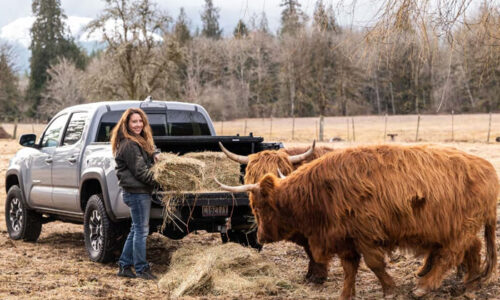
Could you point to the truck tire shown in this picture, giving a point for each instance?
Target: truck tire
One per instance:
(100, 233)
(247, 239)
(22, 223)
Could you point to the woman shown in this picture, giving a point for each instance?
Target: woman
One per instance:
(134, 151)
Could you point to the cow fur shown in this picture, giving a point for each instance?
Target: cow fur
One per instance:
(367, 201)
(269, 161)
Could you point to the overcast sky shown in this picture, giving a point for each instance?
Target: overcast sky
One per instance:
(230, 10)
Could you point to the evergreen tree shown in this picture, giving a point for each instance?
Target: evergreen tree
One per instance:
(210, 20)
(241, 30)
(181, 28)
(292, 17)
(9, 92)
(48, 42)
(324, 20)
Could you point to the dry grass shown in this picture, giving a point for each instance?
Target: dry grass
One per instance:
(370, 129)
(57, 266)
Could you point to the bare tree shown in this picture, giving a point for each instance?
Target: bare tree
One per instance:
(63, 89)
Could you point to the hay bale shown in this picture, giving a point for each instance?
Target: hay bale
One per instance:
(4, 134)
(219, 165)
(176, 174)
(228, 269)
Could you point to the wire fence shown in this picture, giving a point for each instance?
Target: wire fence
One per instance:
(482, 128)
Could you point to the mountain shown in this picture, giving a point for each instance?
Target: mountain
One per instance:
(17, 34)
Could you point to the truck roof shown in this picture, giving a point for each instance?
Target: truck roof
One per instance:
(124, 104)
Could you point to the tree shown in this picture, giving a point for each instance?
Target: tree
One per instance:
(292, 17)
(210, 20)
(134, 45)
(181, 28)
(63, 89)
(324, 19)
(49, 41)
(240, 30)
(9, 91)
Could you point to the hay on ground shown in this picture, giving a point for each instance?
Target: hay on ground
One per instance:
(4, 134)
(226, 269)
(218, 165)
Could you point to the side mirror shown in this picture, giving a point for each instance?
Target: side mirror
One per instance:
(27, 140)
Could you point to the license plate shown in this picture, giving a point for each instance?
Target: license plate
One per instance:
(214, 210)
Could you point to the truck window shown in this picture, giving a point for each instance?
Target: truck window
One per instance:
(157, 121)
(75, 128)
(53, 132)
(185, 123)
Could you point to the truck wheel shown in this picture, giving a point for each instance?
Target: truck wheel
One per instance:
(99, 231)
(248, 239)
(22, 223)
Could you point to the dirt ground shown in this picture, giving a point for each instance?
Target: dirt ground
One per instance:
(57, 266)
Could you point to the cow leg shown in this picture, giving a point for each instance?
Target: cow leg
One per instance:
(427, 264)
(442, 261)
(316, 272)
(472, 264)
(350, 264)
(374, 259)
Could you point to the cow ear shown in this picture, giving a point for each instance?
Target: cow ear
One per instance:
(267, 185)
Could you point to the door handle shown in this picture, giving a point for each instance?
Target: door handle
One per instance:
(72, 159)
(49, 160)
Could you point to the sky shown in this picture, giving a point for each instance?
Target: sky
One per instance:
(230, 10)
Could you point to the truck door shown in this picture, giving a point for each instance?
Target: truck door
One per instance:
(66, 165)
(40, 192)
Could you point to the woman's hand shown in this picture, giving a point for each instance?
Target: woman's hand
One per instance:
(156, 157)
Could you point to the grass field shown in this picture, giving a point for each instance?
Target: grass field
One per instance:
(57, 267)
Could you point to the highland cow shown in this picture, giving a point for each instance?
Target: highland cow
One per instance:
(368, 201)
(285, 160)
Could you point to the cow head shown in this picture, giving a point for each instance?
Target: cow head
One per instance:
(264, 208)
(268, 161)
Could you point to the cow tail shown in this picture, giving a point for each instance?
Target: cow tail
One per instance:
(491, 253)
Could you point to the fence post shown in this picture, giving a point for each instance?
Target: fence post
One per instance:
(271, 127)
(321, 127)
(418, 126)
(316, 128)
(385, 127)
(15, 130)
(489, 130)
(347, 129)
(452, 125)
(353, 132)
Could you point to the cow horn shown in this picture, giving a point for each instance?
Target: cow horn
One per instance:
(281, 174)
(300, 157)
(238, 189)
(237, 158)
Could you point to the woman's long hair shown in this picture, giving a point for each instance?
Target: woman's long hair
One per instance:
(121, 132)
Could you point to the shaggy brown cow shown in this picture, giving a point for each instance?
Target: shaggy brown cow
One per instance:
(286, 160)
(367, 201)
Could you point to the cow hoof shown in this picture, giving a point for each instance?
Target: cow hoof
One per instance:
(316, 279)
(419, 292)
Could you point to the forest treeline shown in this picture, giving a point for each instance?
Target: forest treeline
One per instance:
(416, 57)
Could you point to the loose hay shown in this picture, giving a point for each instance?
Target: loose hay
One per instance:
(217, 164)
(4, 134)
(226, 269)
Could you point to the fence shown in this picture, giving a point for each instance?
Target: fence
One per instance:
(365, 129)
(371, 129)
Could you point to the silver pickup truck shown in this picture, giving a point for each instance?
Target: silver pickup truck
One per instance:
(69, 175)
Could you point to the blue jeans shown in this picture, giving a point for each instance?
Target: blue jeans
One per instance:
(134, 250)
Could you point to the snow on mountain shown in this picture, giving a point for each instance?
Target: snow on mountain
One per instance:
(17, 34)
